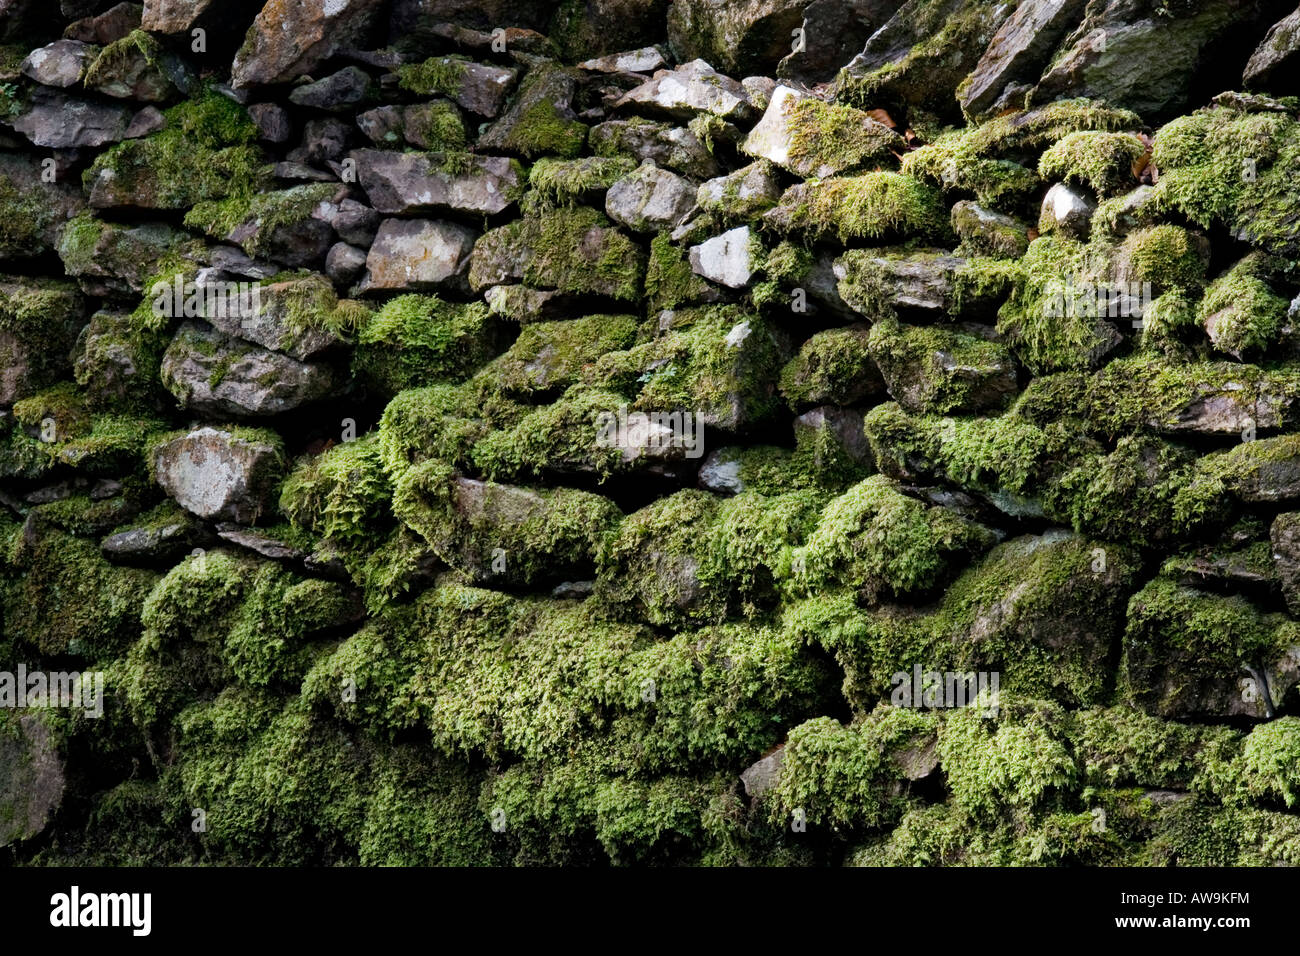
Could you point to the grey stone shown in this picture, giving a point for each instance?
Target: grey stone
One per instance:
(691, 89)
(649, 200)
(217, 474)
(335, 93)
(413, 184)
(62, 63)
(1019, 49)
(344, 264)
(727, 259)
(1275, 64)
(58, 121)
(288, 40)
(418, 254)
(673, 147)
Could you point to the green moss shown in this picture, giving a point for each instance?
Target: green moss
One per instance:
(416, 340)
(1167, 256)
(937, 369)
(869, 206)
(1122, 746)
(1240, 310)
(310, 303)
(883, 543)
(832, 366)
(1270, 762)
(557, 182)
(541, 129)
(342, 493)
(266, 211)
(25, 217)
(850, 777)
(436, 75)
(1102, 161)
(206, 152)
(1223, 166)
(436, 125)
(438, 421)
(542, 534)
(550, 356)
(828, 138)
(669, 280)
(1184, 650)
(120, 55)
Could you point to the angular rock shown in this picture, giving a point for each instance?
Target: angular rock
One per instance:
(288, 40)
(987, 232)
(145, 123)
(833, 32)
(34, 213)
(117, 362)
(836, 435)
(1284, 537)
(131, 73)
(323, 141)
(408, 184)
(815, 139)
(177, 18)
(260, 544)
(219, 475)
(336, 93)
(727, 259)
(720, 472)
(1275, 64)
(1066, 209)
(416, 254)
(645, 60)
(160, 542)
(58, 121)
(214, 374)
(649, 200)
(344, 264)
(940, 370)
(269, 320)
(31, 777)
(111, 25)
(1019, 50)
(355, 222)
(481, 88)
(62, 63)
(39, 322)
(763, 774)
(114, 259)
(691, 89)
(272, 121)
(540, 120)
(675, 148)
(747, 192)
(746, 37)
(874, 285)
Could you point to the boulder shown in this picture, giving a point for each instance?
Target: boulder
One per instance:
(649, 200)
(288, 40)
(214, 374)
(219, 474)
(411, 184)
(415, 254)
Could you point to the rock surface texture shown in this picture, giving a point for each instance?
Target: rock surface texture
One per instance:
(644, 424)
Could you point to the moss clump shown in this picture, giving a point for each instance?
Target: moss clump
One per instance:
(1102, 161)
(436, 125)
(566, 182)
(1270, 762)
(206, 151)
(311, 304)
(833, 366)
(441, 75)
(827, 138)
(952, 162)
(882, 543)
(1186, 652)
(720, 366)
(416, 340)
(851, 777)
(1169, 257)
(869, 206)
(118, 363)
(1055, 317)
(564, 437)
(1122, 746)
(937, 369)
(266, 212)
(499, 532)
(1240, 311)
(341, 494)
(669, 280)
(550, 356)
(438, 421)
(68, 599)
(1235, 168)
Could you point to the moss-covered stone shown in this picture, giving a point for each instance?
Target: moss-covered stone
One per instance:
(417, 340)
(870, 206)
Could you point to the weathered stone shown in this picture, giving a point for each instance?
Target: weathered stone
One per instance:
(131, 73)
(178, 18)
(417, 254)
(383, 125)
(727, 259)
(522, 304)
(824, 140)
(1284, 536)
(747, 192)
(691, 89)
(355, 222)
(920, 281)
(645, 60)
(111, 25)
(217, 375)
(323, 140)
(269, 321)
(260, 544)
(344, 264)
(272, 121)
(481, 88)
(675, 148)
(836, 433)
(288, 40)
(940, 370)
(34, 213)
(219, 474)
(58, 121)
(720, 472)
(337, 92)
(161, 542)
(408, 184)
(987, 232)
(541, 119)
(1019, 50)
(763, 774)
(1066, 209)
(145, 123)
(833, 32)
(114, 259)
(749, 36)
(1275, 64)
(649, 200)
(62, 63)
(39, 322)
(117, 363)
(31, 777)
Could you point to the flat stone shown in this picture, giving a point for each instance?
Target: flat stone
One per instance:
(649, 200)
(691, 89)
(417, 254)
(62, 63)
(726, 259)
(408, 184)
